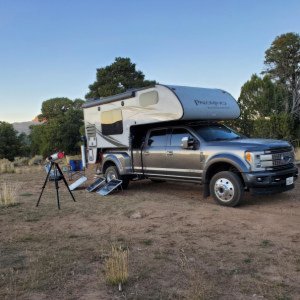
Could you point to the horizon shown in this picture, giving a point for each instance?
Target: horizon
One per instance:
(53, 49)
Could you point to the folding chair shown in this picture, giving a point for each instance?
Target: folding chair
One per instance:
(76, 169)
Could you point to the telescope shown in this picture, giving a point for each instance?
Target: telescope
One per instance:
(56, 156)
(55, 174)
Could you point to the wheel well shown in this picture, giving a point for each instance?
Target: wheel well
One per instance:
(106, 165)
(219, 167)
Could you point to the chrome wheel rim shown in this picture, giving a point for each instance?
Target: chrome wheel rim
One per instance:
(111, 175)
(224, 189)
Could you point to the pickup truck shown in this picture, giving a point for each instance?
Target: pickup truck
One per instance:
(225, 162)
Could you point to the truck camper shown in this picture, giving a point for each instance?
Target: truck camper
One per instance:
(168, 132)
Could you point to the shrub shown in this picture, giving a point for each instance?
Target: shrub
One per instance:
(21, 161)
(36, 160)
(6, 166)
(8, 194)
(116, 267)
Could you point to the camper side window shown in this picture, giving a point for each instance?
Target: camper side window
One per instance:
(157, 138)
(112, 122)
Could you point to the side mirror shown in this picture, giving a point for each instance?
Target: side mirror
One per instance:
(185, 142)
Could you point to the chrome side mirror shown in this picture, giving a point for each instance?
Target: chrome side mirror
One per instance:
(185, 142)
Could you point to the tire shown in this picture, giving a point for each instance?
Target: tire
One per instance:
(113, 173)
(226, 188)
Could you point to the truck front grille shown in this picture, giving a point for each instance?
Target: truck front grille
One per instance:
(276, 159)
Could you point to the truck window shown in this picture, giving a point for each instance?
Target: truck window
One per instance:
(177, 135)
(112, 122)
(216, 132)
(157, 138)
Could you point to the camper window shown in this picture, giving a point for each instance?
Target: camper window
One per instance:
(112, 122)
(149, 98)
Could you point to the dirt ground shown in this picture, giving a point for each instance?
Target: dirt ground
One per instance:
(181, 246)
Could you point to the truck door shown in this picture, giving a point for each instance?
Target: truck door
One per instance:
(183, 163)
(154, 153)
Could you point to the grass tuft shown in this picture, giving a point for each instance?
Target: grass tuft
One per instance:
(8, 194)
(147, 242)
(116, 266)
(6, 166)
(266, 243)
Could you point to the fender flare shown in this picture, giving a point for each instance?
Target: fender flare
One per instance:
(118, 159)
(231, 159)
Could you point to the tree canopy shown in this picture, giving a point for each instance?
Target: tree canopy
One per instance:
(270, 105)
(116, 78)
(63, 119)
(282, 62)
(10, 142)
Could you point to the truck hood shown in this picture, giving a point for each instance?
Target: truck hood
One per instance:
(253, 144)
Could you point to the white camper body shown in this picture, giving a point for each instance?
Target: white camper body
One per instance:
(108, 120)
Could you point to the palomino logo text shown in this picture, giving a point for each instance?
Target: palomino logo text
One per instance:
(208, 102)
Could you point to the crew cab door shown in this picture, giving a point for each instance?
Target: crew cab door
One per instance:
(154, 153)
(183, 163)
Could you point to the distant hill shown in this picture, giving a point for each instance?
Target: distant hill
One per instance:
(24, 126)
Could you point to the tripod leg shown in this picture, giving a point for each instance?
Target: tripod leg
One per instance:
(44, 185)
(57, 194)
(65, 181)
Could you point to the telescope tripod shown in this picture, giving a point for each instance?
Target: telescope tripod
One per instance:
(55, 176)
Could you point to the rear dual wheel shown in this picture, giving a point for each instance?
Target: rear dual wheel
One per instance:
(113, 173)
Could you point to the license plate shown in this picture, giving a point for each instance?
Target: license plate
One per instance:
(289, 180)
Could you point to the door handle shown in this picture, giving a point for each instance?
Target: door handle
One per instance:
(169, 152)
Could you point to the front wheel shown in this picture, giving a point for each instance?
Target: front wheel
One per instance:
(113, 173)
(227, 188)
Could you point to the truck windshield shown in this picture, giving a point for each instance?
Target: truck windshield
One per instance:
(216, 132)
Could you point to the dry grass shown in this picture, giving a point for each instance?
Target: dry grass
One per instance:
(8, 194)
(116, 267)
(27, 169)
(6, 166)
(36, 160)
(21, 161)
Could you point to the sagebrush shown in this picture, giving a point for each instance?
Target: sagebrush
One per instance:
(8, 194)
(6, 166)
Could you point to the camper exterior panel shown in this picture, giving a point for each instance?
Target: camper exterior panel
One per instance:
(113, 119)
(206, 104)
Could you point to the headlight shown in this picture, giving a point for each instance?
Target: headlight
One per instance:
(254, 160)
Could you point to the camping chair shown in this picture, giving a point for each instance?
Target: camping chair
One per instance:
(76, 169)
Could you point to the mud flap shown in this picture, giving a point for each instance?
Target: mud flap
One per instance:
(206, 192)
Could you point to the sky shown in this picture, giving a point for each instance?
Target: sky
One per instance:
(52, 48)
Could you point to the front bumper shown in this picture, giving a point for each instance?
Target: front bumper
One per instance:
(268, 182)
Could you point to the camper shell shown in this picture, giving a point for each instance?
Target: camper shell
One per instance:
(108, 120)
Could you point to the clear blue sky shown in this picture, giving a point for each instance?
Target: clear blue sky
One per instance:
(52, 48)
